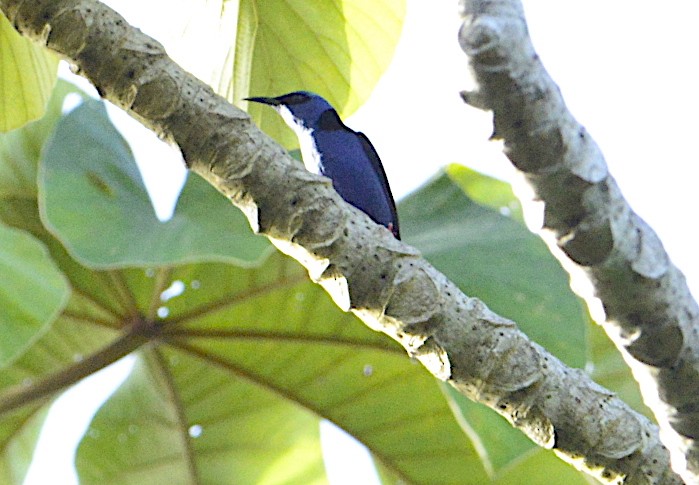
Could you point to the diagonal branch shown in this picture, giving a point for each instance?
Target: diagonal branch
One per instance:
(649, 312)
(385, 282)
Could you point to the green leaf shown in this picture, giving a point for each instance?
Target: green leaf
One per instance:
(236, 72)
(20, 149)
(16, 455)
(498, 260)
(54, 355)
(239, 432)
(33, 291)
(337, 48)
(93, 199)
(27, 76)
(486, 191)
(53, 361)
(254, 357)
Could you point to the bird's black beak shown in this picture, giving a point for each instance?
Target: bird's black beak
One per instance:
(269, 101)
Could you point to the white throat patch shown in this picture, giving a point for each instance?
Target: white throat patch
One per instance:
(307, 144)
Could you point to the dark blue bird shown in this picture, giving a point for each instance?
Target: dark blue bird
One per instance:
(345, 156)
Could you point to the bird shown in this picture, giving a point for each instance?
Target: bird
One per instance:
(345, 156)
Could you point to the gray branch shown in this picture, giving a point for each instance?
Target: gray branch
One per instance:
(385, 282)
(650, 314)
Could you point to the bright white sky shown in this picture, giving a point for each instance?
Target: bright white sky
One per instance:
(627, 69)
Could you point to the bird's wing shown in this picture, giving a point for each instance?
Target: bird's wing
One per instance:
(378, 168)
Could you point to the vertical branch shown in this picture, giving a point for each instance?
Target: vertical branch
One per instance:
(649, 312)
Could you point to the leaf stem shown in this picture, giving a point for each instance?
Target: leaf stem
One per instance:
(43, 389)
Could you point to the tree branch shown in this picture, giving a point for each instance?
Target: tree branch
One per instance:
(650, 314)
(385, 282)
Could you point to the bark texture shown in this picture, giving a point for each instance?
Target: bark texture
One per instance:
(650, 313)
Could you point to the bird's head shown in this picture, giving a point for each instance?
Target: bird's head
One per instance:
(300, 109)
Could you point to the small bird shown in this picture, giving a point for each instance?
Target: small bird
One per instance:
(345, 156)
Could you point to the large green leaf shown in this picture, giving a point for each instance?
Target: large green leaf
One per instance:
(178, 419)
(33, 282)
(33, 292)
(245, 363)
(27, 76)
(93, 199)
(337, 48)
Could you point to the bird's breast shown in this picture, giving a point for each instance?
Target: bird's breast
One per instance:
(312, 158)
(307, 143)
